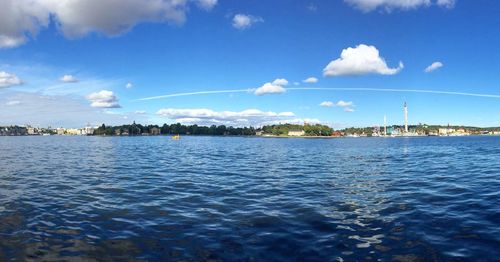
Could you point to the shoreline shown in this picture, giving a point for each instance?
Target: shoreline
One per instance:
(250, 136)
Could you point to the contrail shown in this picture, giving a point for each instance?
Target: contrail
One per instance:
(198, 93)
(250, 90)
(398, 90)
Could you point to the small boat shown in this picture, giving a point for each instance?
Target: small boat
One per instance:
(176, 137)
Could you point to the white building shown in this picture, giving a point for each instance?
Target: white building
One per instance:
(296, 132)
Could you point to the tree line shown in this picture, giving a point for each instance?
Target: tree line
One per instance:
(174, 129)
(309, 130)
(213, 130)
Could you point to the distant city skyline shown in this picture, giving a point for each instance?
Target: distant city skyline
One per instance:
(339, 63)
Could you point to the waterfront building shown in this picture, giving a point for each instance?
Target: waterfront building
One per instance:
(446, 131)
(389, 130)
(32, 131)
(88, 130)
(72, 131)
(296, 132)
(154, 131)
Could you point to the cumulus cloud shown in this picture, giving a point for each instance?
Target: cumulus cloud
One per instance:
(433, 66)
(129, 85)
(310, 80)
(68, 79)
(275, 87)
(242, 21)
(360, 60)
(8, 80)
(348, 110)
(280, 82)
(21, 19)
(103, 99)
(326, 104)
(389, 5)
(235, 118)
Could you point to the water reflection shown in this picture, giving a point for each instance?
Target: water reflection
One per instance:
(205, 198)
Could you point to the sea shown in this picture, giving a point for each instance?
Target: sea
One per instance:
(78, 198)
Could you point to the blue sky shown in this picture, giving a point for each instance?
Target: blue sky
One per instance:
(164, 47)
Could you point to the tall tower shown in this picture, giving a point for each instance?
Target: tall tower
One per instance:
(406, 118)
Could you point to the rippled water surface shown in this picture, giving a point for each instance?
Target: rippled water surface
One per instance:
(249, 199)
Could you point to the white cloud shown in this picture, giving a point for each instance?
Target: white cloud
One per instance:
(311, 80)
(343, 103)
(280, 82)
(56, 111)
(129, 85)
(236, 118)
(206, 4)
(12, 103)
(389, 5)
(433, 66)
(360, 60)
(275, 87)
(8, 80)
(140, 112)
(269, 88)
(21, 19)
(241, 21)
(326, 104)
(68, 79)
(103, 99)
(348, 110)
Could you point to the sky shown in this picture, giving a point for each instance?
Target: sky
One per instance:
(343, 63)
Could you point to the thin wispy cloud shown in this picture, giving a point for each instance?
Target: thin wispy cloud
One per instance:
(389, 5)
(55, 110)
(433, 67)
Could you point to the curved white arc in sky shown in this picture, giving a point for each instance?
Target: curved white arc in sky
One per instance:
(397, 90)
(198, 93)
(250, 90)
